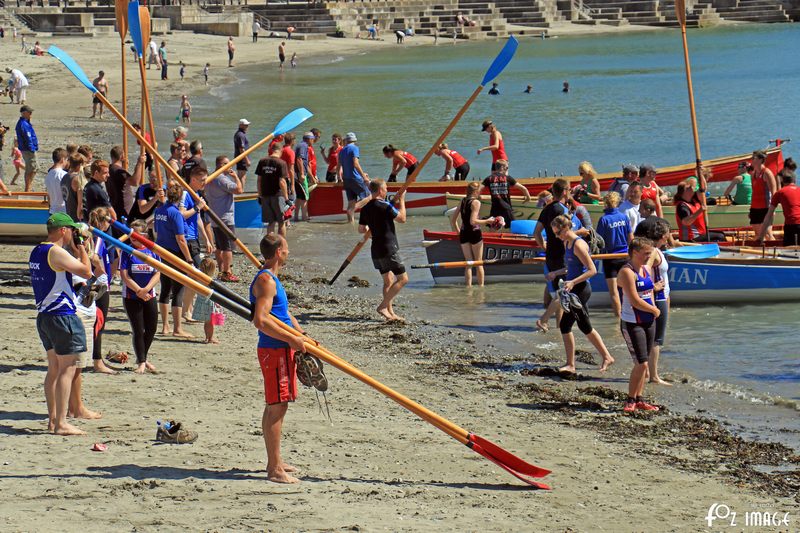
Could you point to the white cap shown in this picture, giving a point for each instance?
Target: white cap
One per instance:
(244, 122)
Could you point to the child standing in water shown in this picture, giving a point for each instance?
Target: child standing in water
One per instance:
(182, 71)
(16, 159)
(186, 110)
(204, 308)
(205, 71)
(293, 60)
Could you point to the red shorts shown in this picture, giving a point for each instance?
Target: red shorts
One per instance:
(280, 374)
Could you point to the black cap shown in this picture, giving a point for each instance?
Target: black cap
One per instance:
(26, 109)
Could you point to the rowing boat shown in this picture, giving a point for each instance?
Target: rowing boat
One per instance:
(719, 216)
(730, 278)
(24, 215)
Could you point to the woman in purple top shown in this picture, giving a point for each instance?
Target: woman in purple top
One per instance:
(139, 299)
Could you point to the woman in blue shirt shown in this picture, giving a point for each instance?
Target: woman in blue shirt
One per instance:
(615, 229)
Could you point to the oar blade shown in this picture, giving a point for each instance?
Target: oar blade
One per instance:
(680, 11)
(501, 61)
(507, 458)
(292, 120)
(144, 25)
(121, 12)
(704, 251)
(135, 26)
(519, 475)
(339, 272)
(72, 66)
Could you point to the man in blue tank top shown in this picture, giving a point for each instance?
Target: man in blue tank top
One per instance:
(60, 329)
(276, 351)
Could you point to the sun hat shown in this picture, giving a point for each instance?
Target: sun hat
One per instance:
(486, 124)
(351, 137)
(244, 122)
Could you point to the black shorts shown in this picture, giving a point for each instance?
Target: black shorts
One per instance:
(502, 211)
(221, 239)
(389, 263)
(470, 236)
(639, 338)
(758, 214)
(272, 208)
(330, 177)
(461, 172)
(230, 54)
(96, 100)
(282, 58)
(194, 249)
(791, 234)
(242, 165)
(300, 191)
(410, 170)
(661, 322)
(611, 267)
(63, 334)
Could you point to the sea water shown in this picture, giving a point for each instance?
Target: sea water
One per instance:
(627, 103)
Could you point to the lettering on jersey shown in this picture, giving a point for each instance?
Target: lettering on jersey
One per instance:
(688, 276)
(34, 266)
(142, 268)
(618, 224)
(161, 217)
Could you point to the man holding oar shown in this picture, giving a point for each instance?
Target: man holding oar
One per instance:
(276, 350)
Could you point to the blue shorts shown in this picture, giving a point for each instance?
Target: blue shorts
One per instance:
(356, 190)
(63, 333)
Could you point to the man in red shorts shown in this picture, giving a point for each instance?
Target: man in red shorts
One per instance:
(276, 351)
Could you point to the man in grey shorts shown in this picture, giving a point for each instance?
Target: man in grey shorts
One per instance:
(60, 329)
(273, 190)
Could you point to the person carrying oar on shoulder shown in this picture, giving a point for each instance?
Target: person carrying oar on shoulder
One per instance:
(378, 217)
(578, 269)
(469, 232)
(276, 351)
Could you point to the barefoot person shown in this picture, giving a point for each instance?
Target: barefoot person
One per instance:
(763, 186)
(60, 329)
(139, 299)
(615, 229)
(101, 84)
(355, 180)
(276, 351)
(469, 234)
(639, 314)
(578, 270)
(378, 217)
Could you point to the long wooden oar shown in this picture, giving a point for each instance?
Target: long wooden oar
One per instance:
(139, 25)
(185, 267)
(500, 62)
(288, 123)
(121, 13)
(78, 72)
(680, 12)
(174, 274)
(196, 280)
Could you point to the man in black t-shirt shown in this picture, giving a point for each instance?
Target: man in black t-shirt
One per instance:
(378, 217)
(196, 149)
(94, 195)
(273, 190)
(498, 184)
(119, 181)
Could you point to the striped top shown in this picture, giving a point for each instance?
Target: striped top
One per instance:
(52, 288)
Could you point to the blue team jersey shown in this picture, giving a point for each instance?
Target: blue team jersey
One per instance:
(614, 227)
(138, 270)
(280, 309)
(52, 289)
(644, 286)
(168, 224)
(190, 223)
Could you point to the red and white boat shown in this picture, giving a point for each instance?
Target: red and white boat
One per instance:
(328, 200)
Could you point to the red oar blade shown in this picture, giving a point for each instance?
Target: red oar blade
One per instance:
(506, 458)
(519, 475)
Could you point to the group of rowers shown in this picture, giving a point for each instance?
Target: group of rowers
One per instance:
(632, 223)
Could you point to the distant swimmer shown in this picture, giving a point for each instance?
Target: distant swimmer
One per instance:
(528, 89)
(494, 90)
(565, 88)
(453, 160)
(400, 160)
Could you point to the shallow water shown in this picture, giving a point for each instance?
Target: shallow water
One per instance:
(628, 104)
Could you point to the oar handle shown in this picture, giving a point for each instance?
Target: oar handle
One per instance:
(224, 168)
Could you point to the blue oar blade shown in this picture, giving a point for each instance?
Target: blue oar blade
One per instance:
(501, 61)
(135, 27)
(704, 251)
(73, 67)
(292, 120)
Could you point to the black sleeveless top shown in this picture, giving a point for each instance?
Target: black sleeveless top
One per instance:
(468, 231)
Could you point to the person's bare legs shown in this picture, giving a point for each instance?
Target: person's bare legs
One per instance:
(616, 306)
(271, 424)
(636, 383)
(29, 175)
(569, 348)
(652, 366)
(76, 408)
(351, 211)
(164, 311)
(66, 373)
(599, 345)
(477, 254)
(50, 388)
(553, 308)
(466, 249)
(178, 330)
(188, 304)
(389, 292)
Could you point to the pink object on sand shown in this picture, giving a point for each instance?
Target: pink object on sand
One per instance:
(218, 319)
(99, 447)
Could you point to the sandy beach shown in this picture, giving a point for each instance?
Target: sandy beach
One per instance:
(376, 466)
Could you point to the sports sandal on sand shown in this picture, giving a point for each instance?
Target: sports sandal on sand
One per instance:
(309, 371)
(176, 434)
(117, 357)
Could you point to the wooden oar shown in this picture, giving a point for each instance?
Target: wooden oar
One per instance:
(177, 276)
(78, 72)
(121, 13)
(680, 12)
(139, 26)
(500, 62)
(196, 280)
(288, 123)
(186, 268)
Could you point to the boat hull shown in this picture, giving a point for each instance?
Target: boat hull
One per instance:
(23, 218)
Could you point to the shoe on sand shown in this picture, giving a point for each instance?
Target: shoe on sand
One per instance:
(309, 371)
(176, 434)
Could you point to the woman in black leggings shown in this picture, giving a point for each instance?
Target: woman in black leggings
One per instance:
(579, 269)
(138, 296)
(98, 219)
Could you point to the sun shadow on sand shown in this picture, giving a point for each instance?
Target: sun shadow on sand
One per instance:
(171, 472)
(4, 368)
(22, 415)
(454, 485)
(586, 407)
